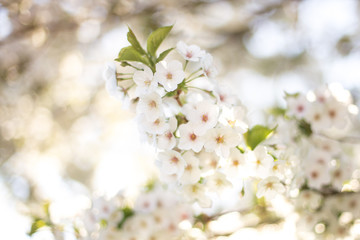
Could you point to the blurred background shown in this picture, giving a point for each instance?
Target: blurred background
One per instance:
(64, 139)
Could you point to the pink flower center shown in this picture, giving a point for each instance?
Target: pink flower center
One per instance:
(174, 160)
(192, 137)
(169, 135)
(205, 118)
(300, 108)
(220, 139)
(152, 104)
(169, 76)
(332, 113)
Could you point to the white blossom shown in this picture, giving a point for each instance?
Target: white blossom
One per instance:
(340, 175)
(170, 75)
(202, 116)
(208, 66)
(145, 203)
(145, 81)
(109, 76)
(221, 140)
(103, 208)
(217, 182)
(260, 161)
(298, 106)
(309, 199)
(337, 114)
(189, 139)
(318, 119)
(196, 192)
(236, 164)
(208, 161)
(269, 187)
(192, 171)
(191, 53)
(317, 175)
(234, 117)
(156, 126)
(167, 140)
(172, 162)
(150, 105)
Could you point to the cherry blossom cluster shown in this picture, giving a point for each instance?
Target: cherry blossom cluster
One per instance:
(198, 127)
(319, 125)
(319, 135)
(205, 144)
(147, 218)
(328, 217)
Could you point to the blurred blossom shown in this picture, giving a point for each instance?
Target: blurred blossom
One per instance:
(271, 39)
(5, 23)
(88, 31)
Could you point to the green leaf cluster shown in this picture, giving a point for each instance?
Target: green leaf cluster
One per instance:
(136, 53)
(256, 135)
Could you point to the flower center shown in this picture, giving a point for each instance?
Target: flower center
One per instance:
(337, 174)
(188, 168)
(189, 54)
(317, 117)
(300, 108)
(232, 123)
(332, 113)
(222, 97)
(220, 139)
(205, 118)
(169, 135)
(192, 137)
(258, 162)
(174, 160)
(152, 104)
(314, 175)
(269, 185)
(157, 122)
(147, 82)
(169, 76)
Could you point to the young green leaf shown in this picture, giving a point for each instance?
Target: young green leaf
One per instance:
(163, 55)
(38, 223)
(305, 127)
(256, 135)
(291, 95)
(134, 42)
(156, 38)
(127, 213)
(130, 54)
(277, 111)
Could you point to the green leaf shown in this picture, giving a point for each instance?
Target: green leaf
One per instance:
(127, 213)
(38, 223)
(163, 55)
(294, 95)
(46, 209)
(305, 127)
(256, 135)
(130, 54)
(103, 223)
(156, 38)
(150, 185)
(277, 111)
(134, 42)
(240, 149)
